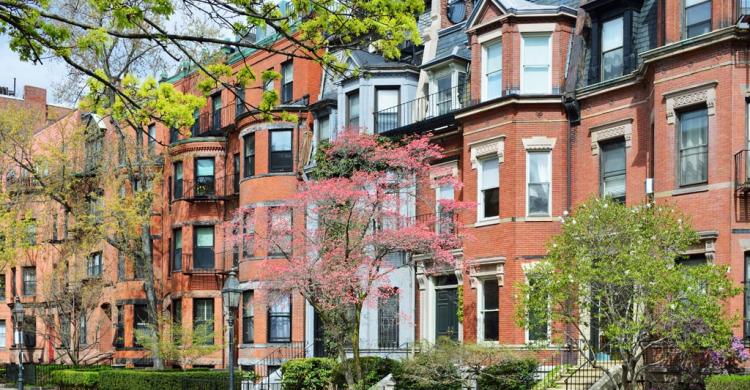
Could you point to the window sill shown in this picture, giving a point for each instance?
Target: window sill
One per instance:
(487, 222)
(690, 190)
(541, 218)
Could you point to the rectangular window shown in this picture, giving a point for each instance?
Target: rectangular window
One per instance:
(29, 280)
(489, 188)
(386, 100)
(352, 109)
(140, 319)
(195, 129)
(287, 82)
(535, 64)
(249, 143)
(177, 190)
(203, 316)
(151, 138)
(203, 252)
(31, 232)
(538, 178)
(444, 221)
(693, 141)
(239, 100)
(248, 235)
(538, 320)
(248, 318)
(280, 158)
(120, 327)
(268, 84)
(82, 330)
(492, 75)
(177, 320)
(2, 286)
(177, 249)
(216, 111)
(94, 266)
(697, 17)
(280, 221)
(324, 128)
(140, 265)
(64, 330)
(612, 167)
(612, 48)
(29, 331)
(174, 135)
(388, 320)
(121, 267)
(444, 93)
(490, 310)
(280, 320)
(205, 182)
(236, 173)
(3, 334)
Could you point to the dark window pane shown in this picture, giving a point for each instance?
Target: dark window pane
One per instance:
(491, 202)
(388, 321)
(140, 317)
(693, 146)
(491, 325)
(203, 316)
(280, 159)
(203, 252)
(249, 168)
(280, 320)
(697, 18)
(491, 294)
(248, 317)
(612, 166)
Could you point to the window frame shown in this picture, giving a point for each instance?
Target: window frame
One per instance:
(29, 283)
(178, 190)
(481, 310)
(528, 183)
(287, 86)
(279, 315)
(621, 47)
(603, 176)
(211, 228)
(272, 251)
(3, 334)
(388, 88)
(248, 159)
(485, 61)
(686, 27)
(480, 188)
(524, 65)
(383, 326)
(548, 325)
(94, 265)
(173, 263)
(198, 179)
(216, 111)
(348, 108)
(680, 150)
(239, 100)
(210, 320)
(248, 320)
(151, 141)
(138, 321)
(275, 168)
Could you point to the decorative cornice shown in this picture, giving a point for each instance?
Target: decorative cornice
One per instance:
(623, 128)
(484, 148)
(697, 94)
(482, 269)
(539, 143)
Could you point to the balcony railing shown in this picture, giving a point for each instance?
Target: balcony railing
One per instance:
(446, 222)
(206, 188)
(22, 184)
(435, 110)
(741, 171)
(213, 122)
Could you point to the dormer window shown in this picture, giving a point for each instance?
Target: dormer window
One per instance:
(536, 77)
(612, 48)
(697, 17)
(492, 69)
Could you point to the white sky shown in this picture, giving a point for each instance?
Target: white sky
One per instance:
(26, 73)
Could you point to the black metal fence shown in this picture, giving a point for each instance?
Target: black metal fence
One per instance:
(33, 374)
(431, 106)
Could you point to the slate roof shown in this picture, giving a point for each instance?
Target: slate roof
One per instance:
(367, 60)
(452, 43)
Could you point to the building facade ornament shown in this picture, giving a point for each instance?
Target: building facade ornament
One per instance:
(699, 94)
(623, 128)
(484, 148)
(488, 268)
(539, 143)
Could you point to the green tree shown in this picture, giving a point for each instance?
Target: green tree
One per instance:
(179, 343)
(621, 268)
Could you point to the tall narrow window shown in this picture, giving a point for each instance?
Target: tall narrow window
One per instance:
(94, 268)
(177, 249)
(489, 188)
(216, 111)
(612, 166)
(538, 179)
(140, 326)
(280, 320)
(444, 93)
(248, 235)
(324, 129)
(203, 317)
(280, 221)
(3, 334)
(151, 138)
(352, 109)
(490, 310)
(239, 100)
(174, 135)
(205, 182)
(120, 327)
(2, 287)
(177, 190)
(287, 82)
(236, 173)
(29, 280)
(120, 267)
(29, 331)
(280, 159)
(535, 64)
(248, 318)
(492, 75)
(82, 330)
(388, 320)
(612, 48)
(746, 293)
(177, 320)
(386, 100)
(693, 141)
(697, 17)
(444, 218)
(203, 252)
(195, 129)
(249, 143)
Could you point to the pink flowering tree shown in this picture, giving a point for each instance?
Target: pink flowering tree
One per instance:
(358, 212)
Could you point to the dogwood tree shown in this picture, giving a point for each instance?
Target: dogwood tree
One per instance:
(356, 223)
(622, 270)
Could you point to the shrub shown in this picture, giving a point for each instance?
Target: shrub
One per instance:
(308, 374)
(374, 369)
(509, 374)
(428, 371)
(728, 382)
(75, 379)
(162, 380)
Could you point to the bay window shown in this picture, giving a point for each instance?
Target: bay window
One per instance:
(280, 156)
(205, 183)
(352, 109)
(203, 250)
(492, 70)
(535, 64)
(538, 178)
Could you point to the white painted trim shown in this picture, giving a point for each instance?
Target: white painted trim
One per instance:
(489, 36)
(549, 65)
(549, 193)
(536, 27)
(484, 81)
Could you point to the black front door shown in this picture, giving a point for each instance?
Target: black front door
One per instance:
(446, 313)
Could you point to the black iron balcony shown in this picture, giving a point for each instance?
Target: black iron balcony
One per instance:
(426, 113)
(215, 121)
(206, 188)
(443, 223)
(741, 171)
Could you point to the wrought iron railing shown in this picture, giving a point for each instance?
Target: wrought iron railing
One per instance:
(206, 188)
(273, 360)
(213, 121)
(432, 106)
(741, 172)
(445, 222)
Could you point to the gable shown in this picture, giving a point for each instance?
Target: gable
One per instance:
(486, 11)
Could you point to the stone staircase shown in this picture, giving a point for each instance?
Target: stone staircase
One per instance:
(582, 377)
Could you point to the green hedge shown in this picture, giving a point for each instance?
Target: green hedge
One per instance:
(509, 374)
(75, 379)
(161, 380)
(374, 369)
(728, 382)
(308, 374)
(425, 372)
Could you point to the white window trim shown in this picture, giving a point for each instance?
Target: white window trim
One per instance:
(480, 198)
(484, 81)
(479, 151)
(528, 267)
(494, 270)
(549, 66)
(539, 144)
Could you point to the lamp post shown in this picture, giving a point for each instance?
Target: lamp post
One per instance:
(231, 299)
(18, 317)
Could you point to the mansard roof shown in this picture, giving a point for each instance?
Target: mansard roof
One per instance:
(523, 7)
(453, 43)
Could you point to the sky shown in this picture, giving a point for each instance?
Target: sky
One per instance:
(26, 73)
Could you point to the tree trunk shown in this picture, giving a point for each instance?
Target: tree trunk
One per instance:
(150, 289)
(355, 346)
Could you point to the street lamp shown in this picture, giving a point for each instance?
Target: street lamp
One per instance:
(230, 295)
(18, 316)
